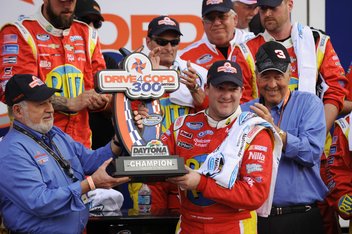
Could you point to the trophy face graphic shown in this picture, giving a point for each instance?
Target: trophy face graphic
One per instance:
(138, 82)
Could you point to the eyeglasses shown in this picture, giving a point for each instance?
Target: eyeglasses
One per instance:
(210, 18)
(96, 23)
(164, 42)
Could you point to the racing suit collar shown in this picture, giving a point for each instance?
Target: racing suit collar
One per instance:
(225, 122)
(48, 26)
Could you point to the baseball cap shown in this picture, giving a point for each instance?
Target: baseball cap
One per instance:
(225, 71)
(269, 3)
(248, 2)
(272, 55)
(161, 24)
(27, 87)
(216, 5)
(88, 7)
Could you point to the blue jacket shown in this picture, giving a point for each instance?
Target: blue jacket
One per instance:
(298, 181)
(35, 193)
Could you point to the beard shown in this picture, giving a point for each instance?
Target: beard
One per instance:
(58, 21)
(42, 127)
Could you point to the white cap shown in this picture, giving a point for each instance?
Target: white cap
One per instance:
(249, 2)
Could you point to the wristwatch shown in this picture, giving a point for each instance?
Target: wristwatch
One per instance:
(281, 133)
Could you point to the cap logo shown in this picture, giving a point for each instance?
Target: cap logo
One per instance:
(280, 54)
(212, 2)
(166, 21)
(227, 68)
(36, 82)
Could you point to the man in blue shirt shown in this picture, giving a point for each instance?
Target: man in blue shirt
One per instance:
(299, 119)
(42, 169)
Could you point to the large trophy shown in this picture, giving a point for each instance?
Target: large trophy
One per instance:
(148, 159)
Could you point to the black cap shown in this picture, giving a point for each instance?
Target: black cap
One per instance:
(272, 55)
(269, 3)
(225, 71)
(27, 87)
(87, 7)
(216, 5)
(161, 24)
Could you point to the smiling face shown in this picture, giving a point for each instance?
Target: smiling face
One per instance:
(59, 13)
(219, 27)
(245, 13)
(224, 99)
(273, 86)
(37, 115)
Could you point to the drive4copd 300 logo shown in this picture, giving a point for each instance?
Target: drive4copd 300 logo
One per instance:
(138, 80)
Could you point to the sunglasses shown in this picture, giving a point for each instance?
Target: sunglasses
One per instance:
(209, 19)
(164, 42)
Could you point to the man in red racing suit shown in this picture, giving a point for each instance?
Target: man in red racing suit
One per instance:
(206, 206)
(65, 59)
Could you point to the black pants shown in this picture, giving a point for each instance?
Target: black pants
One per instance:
(309, 222)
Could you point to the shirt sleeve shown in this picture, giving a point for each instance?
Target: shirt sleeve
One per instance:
(305, 143)
(339, 174)
(334, 76)
(23, 183)
(21, 59)
(252, 186)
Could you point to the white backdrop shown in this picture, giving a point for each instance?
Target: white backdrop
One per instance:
(127, 20)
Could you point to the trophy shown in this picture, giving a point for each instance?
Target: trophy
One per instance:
(148, 159)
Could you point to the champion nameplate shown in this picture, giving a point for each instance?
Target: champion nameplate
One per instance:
(150, 164)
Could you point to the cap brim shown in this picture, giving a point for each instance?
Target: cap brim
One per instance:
(216, 8)
(164, 29)
(270, 3)
(222, 79)
(269, 66)
(43, 94)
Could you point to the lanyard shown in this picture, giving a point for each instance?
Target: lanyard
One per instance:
(287, 98)
(65, 165)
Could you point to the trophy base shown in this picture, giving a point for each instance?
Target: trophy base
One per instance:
(149, 168)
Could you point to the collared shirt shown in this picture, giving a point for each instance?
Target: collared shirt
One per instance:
(298, 180)
(35, 193)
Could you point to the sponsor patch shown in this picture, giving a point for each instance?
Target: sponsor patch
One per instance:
(9, 60)
(249, 181)
(186, 134)
(8, 71)
(331, 160)
(258, 179)
(201, 143)
(184, 145)
(257, 156)
(43, 37)
(10, 49)
(258, 148)
(79, 52)
(45, 64)
(204, 133)
(332, 149)
(334, 139)
(194, 125)
(10, 38)
(345, 204)
(76, 38)
(204, 59)
(253, 168)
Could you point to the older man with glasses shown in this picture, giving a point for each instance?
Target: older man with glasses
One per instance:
(219, 22)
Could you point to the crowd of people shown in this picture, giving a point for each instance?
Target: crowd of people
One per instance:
(256, 119)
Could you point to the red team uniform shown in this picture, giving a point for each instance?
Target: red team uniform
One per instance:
(213, 208)
(63, 59)
(328, 66)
